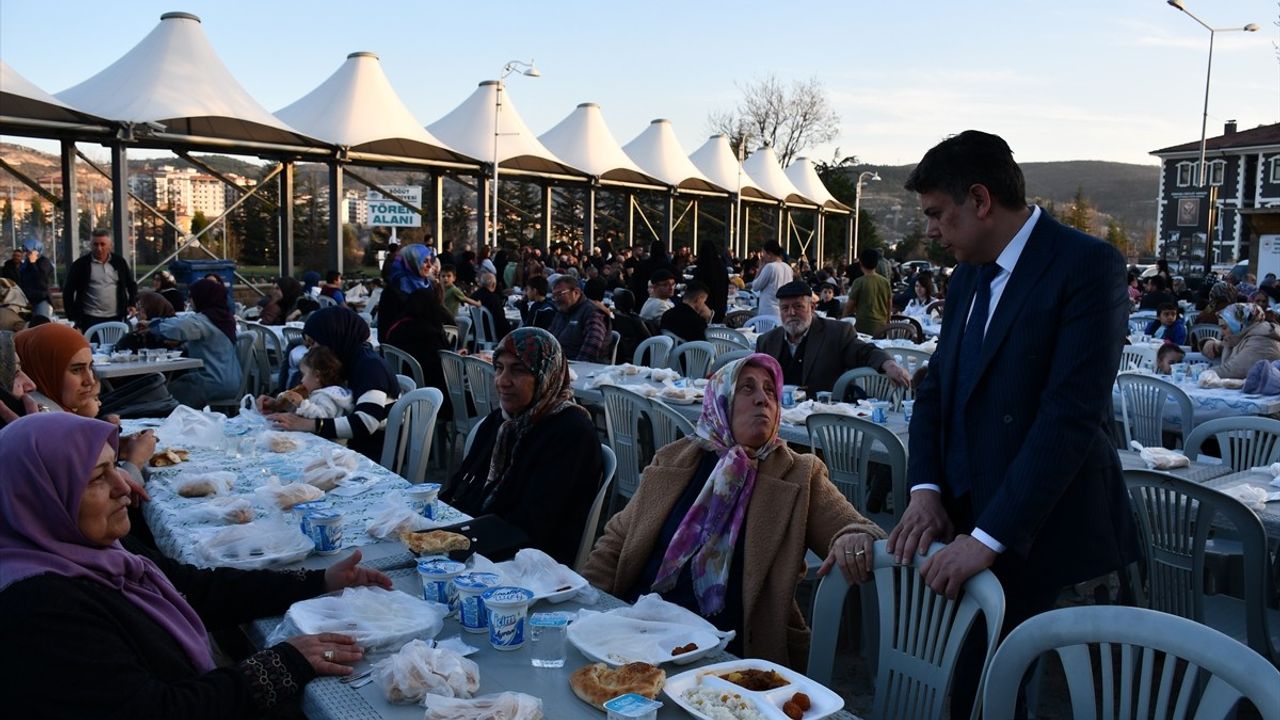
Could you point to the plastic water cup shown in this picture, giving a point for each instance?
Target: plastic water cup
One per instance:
(907, 407)
(422, 498)
(472, 614)
(325, 529)
(824, 397)
(879, 411)
(508, 614)
(788, 396)
(547, 633)
(437, 580)
(1179, 372)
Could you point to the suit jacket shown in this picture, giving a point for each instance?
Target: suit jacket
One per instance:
(831, 348)
(793, 508)
(1045, 477)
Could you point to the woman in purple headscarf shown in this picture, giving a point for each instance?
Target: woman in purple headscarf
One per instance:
(208, 334)
(102, 626)
(412, 270)
(722, 519)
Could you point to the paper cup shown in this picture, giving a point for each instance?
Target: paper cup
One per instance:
(325, 530)
(437, 580)
(472, 614)
(508, 609)
(422, 498)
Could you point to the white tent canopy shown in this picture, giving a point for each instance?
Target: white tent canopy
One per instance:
(763, 166)
(584, 140)
(357, 108)
(469, 129)
(715, 159)
(806, 180)
(174, 77)
(20, 99)
(658, 152)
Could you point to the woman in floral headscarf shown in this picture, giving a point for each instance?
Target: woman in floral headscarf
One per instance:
(412, 270)
(535, 461)
(1247, 337)
(722, 519)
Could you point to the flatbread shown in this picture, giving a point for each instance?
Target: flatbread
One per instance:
(434, 542)
(172, 456)
(598, 683)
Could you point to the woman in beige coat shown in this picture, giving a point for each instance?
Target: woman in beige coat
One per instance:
(1247, 337)
(721, 521)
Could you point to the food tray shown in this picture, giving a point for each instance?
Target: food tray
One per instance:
(768, 703)
(615, 640)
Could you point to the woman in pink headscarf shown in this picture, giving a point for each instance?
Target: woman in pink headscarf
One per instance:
(722, 519)
(99, 626)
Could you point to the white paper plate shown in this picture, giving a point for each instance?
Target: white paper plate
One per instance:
(769, 703)
(640, 640)
(575, 582)
(299, 546)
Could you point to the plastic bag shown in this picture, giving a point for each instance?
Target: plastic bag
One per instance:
(219, 510)
(1254, 498)
(195, 485)
(254, 545)
(377, 619)
(334, 458)
(538, 572)
(1211, 379)
(188, 427)
(418, 670)
(503, 706)
(325, 478)
(395, 516)
(281, 442)
(286, 496)
(649, 631)
(1160, 458)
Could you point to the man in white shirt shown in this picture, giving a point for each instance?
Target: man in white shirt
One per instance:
(662, 285)
(773, 275)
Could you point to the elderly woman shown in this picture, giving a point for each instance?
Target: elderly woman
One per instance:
(410, 271)
(535, 462)
(372, 385)
(60, 363)
(15, 386)
(1247, 337)
(722, 519)
(280, 304)
(164, 284)
(209, 335)
(1220, 296)
(108, 627)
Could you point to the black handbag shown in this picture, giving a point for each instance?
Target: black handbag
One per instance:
(491, 536)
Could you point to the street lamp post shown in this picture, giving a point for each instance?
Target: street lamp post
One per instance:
(857, 210)
(528, 69)
(1204, 118)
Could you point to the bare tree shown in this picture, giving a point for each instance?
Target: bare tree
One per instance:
(790, 118)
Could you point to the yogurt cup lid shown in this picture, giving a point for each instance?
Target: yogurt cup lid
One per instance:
(507, 596)
(440, 566)
(477, 580)
(632, 705)
(324, 516)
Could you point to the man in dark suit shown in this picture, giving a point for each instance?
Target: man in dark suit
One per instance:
(815, 351)
(690, 316)
(1010, 459)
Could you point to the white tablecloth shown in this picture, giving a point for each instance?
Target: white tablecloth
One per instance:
(1212, 403)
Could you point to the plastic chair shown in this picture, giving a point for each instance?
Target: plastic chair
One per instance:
(451, 336)
(292, 335)
(406, 384)
(901, 327)
(106, 332)
(723, 359)
(471, 437)
(480, 381)
(668, 425)
(1245, 441)
(692, 359)
(622, 411)
(727, 339)
(455, 374)
(269, 344)
(876, 385)
(848, 446)
(1143, 400)
(737, 318)
(325, 301)
(610, 462)
(919, 635)
(1198, 666)
(1176, 518)
(482, 321)
(658, 348)
(611, 347)
(400, 362)
(763, 323)
(1137, 357)
(1204, 331)
(247, 354)
(411, 426)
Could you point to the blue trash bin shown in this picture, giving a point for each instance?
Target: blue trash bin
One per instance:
(190, 271)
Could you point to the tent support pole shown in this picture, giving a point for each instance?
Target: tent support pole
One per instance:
(69, 245)
(631, 219)
(120, 202)
(436, 190)
(668, 221)
(589, 219)
(547, 205)
(286, 219)
(695, 226)
(335, 215)
(746, 229)
(728, 228)
(482, 210)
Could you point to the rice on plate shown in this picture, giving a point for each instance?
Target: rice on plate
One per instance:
(719, 704)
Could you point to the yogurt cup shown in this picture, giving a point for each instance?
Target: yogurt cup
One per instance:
(632, 706)
(325, 530)
(437, 580)
(472, 614)
(422, 498)
(302, 510)
(508, 609)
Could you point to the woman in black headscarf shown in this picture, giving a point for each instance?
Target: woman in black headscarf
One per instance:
(713, 273)
(420, 332)
(277, 309)
(372, 385)
(209, 335)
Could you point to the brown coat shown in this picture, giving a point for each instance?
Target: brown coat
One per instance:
(793, 507)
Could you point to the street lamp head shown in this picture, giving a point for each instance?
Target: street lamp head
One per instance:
(876, 177)
(534, 72)
(1251, 27)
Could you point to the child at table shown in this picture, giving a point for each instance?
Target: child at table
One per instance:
(1168, 325)
(320, 395)
(454, 297)
(1167, 356)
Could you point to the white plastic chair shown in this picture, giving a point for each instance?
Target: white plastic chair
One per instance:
(658, 349)
(455, 381)
(622, 411)
(1204, 331)
(1203, 674)
(247, 354)
(727, 339)
(920, 634)
(292, 335)
(106, 332)
(611, 347)
(406, 384)
(848, 447)
(482, 321)
(411, 426)
(876, 385)
(723, 359)
(1137, 357)
(1245, 442)
(400, 362)
(610, 462)
(1143, 400)
(480, 380)
(692, 359)
(763, 323)
(668, 425)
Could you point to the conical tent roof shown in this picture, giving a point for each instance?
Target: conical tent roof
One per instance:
(716, 160)
(805, 178)
(357, 108)
(21, 99)
(763, 166)
(469, 129)
(173, 77)
(584, 140)
(657, 151)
